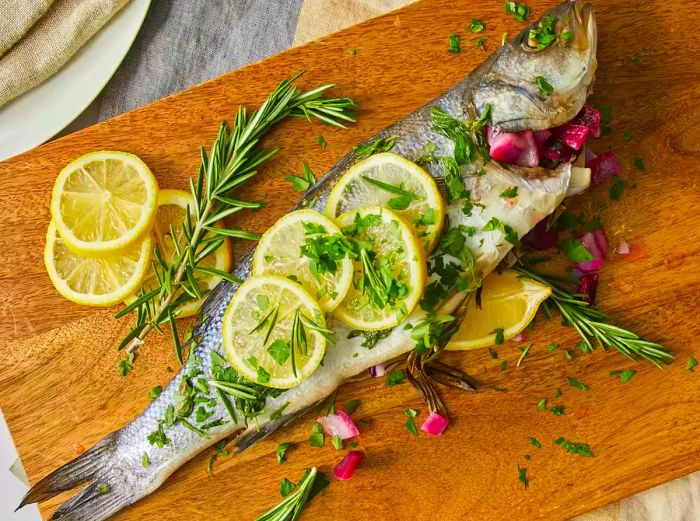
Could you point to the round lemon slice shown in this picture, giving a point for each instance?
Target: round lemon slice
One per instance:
(390, 273)
(274, 332)
(390, 181)
(103, 201)
(304, 246)
(166, 232)
(95, 281)
(507, 302)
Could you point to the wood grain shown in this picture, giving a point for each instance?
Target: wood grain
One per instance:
(58, 382)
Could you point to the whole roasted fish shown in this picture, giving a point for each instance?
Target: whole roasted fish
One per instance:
(114, 466)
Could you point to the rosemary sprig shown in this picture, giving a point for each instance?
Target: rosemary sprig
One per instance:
(594, 325)
(289, 509)
(233, 159)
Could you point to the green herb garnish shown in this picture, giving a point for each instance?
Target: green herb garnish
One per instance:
(126, 365)
(543, 85)
(535, 442)
(321, 141)
(378, 144)
(625, 374)
(352, 406)
(498, 336)
(303, 182)
(690, 365)
(557, 410)
(476, 25)
(481, 43)
(582, 449)
(496, 224)
(282, 449)
(522, 473)
(576, 250)
(639, 163)
(286, 487)
(519, 11)
(395, 377)
(337, 442)
(145, 462)
(453, 43)
(523, 353)
(317, 438)
(311, 483)
(616, 188)
(155, 392)
(542, 404)
(410, 423)
(542, 36)
(509, 193)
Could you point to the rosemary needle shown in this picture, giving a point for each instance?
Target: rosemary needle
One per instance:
(234, 158)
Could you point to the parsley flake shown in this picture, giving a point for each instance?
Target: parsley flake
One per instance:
(639, 163)
(410, 423)
(573, 382)
(509, 193)
(625, 374)
(690, 366)
(522, 473)
(582, 449)
(453, 43)
(395, 377)
(576, 251)
(543, 85)
(303, 182)
(282, 449)
(519, 11)
(535, 442)
(476, 25)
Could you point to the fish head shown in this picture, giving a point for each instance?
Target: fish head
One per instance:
(560, 48)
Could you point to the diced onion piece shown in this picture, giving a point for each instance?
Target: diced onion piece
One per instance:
(435, 424)
(588, 287)
(377, 371)
(604, 167)
(623, 248)
(572, 135)
(521, 337)
(590, 118)
(348, 465)
(541, 237)
(518, 148)
(339, 424)
(597, 245)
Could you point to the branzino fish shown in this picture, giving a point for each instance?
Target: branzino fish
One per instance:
(113, 467)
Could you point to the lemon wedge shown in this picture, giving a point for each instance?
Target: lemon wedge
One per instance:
(393, 182)
(166, 232)
(93, 280)
(389, 277)
(281, 249)
(507, 302)
(274, 332)
(103, 202)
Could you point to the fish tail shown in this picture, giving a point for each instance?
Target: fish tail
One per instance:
(98, 500)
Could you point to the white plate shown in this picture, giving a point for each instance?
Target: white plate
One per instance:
(42, 112)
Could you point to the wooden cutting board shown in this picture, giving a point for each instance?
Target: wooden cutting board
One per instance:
(59, 386)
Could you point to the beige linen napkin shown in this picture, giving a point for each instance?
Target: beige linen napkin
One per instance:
(50, 42)
(16, 17)
(677, 500)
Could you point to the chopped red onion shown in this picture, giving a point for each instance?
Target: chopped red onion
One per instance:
(588, 287)
(348, 465)
(518, 148)
(597, 245)
(540, 237)
(572, 135)
(604, 167)
(624, 247)
(589, 117)
(521, 337)
(377, 371)
(340, 424)
(541, 137)
(589, 156)
(435, 424)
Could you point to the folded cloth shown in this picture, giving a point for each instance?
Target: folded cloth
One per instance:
(17, 17)
(50, 42)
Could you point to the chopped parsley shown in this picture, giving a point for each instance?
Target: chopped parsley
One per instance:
(337, 442)
(557, 410)
(378, 144)
(542, 36)
(519, 11)
(493, 353)
(145, 462)
(558, 393)
(616, 188)
(522, 471)
(410, 422)
(625, 374)
(636, 59)
(369, 338)
(286, 487)
(573, 382)
(303, 182)
(605, 110)
(403, 197)
(352, 52)
(282, 449)
(567, 35)
(279, 351)
(126, 365)
(627, 136)
(453, 43)
(543, 85)
(321, 141)
(103, 488)
(476, 25)
(395, 377)
(582, 449)
(542, 404)
(317, 438)
(155, 392)
(509, 233)
(576, 251)
(569, 355)
(498, 336)
(535, 442)
(509, 193)
(552, 347)
(503, 365)
(690, 365)
(639, 163)
(352, 406)
(481, 43)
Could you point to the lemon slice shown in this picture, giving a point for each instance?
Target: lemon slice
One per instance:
(390, 181)
(507, 302)
(389, 276)
(279, 252)
(259, 324)
(103, 201)
(94, 281)
(167, 230)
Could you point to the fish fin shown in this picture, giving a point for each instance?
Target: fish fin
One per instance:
(90, 504)
(248, 439)
(76, 472)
